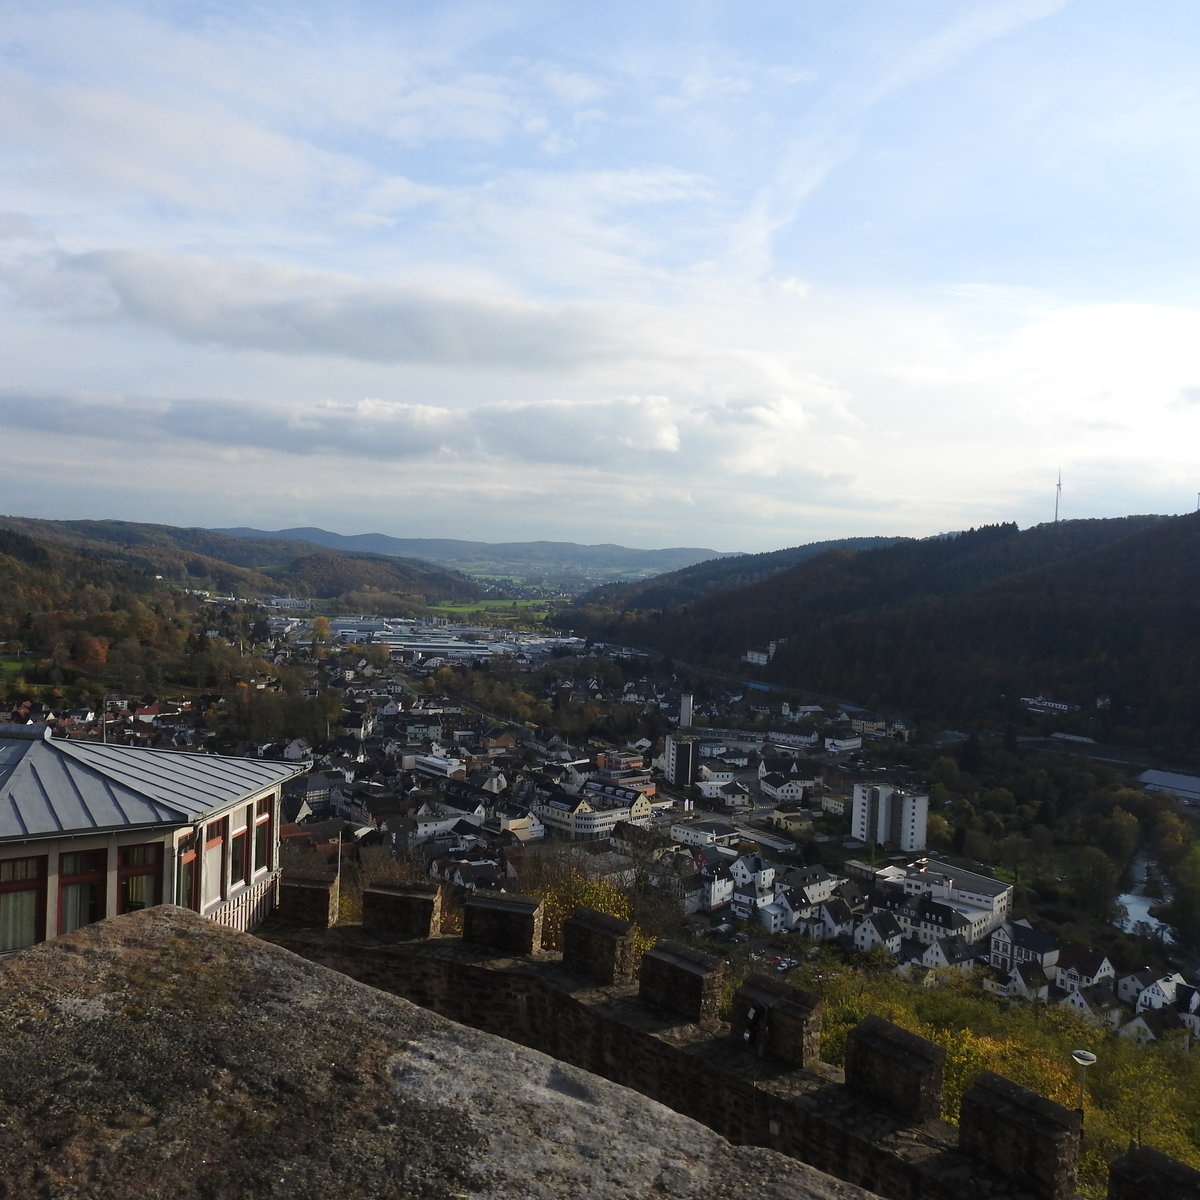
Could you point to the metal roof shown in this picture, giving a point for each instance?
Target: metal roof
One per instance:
(51, 786)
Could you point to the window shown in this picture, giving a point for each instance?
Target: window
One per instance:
(263, 841)
(214, 862)
(81, 889)
(22, 902)
(239, 860)
(185, 893)
(139, 877)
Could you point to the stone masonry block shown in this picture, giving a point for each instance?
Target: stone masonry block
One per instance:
(599, 946)
(1142, 1173)
(511, 924)
(895, 1070)
(1027, 1138)
(403, 909)
(683, 981)
(776, 1021)
(311, 902)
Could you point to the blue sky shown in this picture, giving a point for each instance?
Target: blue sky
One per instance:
(732, 275)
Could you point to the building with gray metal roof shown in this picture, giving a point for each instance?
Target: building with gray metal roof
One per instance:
(89, 831)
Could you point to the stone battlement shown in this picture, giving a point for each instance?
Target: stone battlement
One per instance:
(757, 1081)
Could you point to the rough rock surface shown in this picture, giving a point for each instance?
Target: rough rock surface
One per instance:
(158, 1054)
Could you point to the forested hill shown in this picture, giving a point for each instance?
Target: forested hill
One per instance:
(960, 627)
(718, 575)
(200, 558)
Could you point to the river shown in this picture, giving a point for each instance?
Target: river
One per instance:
(1137, 903)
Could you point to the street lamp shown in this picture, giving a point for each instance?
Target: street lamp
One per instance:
(1083, 1060)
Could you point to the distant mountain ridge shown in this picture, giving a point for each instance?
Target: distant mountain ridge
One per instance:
(514, 558)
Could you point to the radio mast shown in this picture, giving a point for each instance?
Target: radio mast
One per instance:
(1058, 495)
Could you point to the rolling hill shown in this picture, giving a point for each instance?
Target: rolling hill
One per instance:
(1099, 614)
(719, 575)
(201, 558)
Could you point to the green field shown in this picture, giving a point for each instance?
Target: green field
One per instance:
(460, 606)
(11, 666)
(493, 612)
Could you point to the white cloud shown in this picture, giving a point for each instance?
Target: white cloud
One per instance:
(635, 269)
(256, 306)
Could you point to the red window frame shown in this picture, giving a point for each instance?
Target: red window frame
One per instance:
(263, 824)
(239, 859)
(216, 833)
(127, 870)
(35, 882)
(95, 874)
(188, 857)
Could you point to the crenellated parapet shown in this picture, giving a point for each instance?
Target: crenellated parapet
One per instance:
(683, 981)
(403, 910)
(1142, 1173)
(757, 1080)
(778, 1022)
(1023, 1135)
(312, 903)
(601, 947)
(511, 924)
(895, 1070)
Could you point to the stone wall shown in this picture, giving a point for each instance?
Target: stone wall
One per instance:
(757, 1081)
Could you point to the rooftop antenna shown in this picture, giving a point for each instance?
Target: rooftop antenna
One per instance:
(1058, 496)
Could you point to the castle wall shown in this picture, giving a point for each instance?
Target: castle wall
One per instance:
(757, 1081)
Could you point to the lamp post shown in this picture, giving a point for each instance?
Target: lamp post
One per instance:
(1083, 1059)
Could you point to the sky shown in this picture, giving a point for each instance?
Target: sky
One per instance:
(679, 273)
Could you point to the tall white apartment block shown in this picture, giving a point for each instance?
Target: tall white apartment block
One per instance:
(888, 816)
(685, 710)
(682, 761)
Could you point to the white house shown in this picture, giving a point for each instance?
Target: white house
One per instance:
(1098, 1003)
(1147, 989)
(783, 787)
(1078, 968)
(704, 833)
(753, 885)
(1017, 943)
(842, 741)
(830, 920)
(878, 929)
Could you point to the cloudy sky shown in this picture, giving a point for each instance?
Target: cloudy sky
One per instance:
(674, 272)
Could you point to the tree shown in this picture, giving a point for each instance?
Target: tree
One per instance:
(1118, 835)
(378, 654)
(1093, 878)
(938, 832)
(970, 755)
(945, 772)
(91, 653)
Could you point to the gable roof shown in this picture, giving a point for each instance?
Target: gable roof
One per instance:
(51, 786)
(886, 925)
(1098, 998)
(1083, 961)
(1035, 941)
